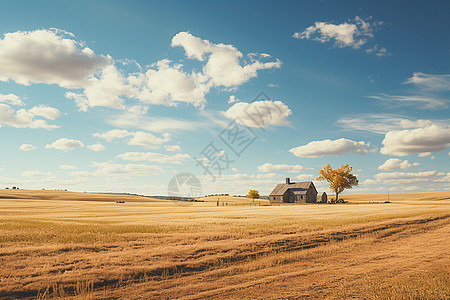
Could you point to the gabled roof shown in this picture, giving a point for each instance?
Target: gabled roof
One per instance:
(281, 188)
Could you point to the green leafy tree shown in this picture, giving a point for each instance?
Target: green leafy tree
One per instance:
(339, 179)
(253, 194)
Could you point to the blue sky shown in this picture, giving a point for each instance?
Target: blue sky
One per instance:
(115, 96)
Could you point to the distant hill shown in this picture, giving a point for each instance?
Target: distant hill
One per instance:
(73, 196)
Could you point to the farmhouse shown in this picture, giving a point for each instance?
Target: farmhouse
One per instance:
(291, 192)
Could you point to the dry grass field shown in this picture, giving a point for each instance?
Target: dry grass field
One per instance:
(54, 246)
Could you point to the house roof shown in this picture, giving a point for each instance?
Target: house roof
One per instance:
(300, 187)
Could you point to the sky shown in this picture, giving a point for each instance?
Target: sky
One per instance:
(134, 96)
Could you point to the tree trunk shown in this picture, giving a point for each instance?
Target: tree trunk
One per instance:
(337, 197)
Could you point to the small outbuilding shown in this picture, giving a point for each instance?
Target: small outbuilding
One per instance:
(294, 192)
(324, 198)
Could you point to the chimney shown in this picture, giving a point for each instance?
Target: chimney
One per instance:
(288, 180)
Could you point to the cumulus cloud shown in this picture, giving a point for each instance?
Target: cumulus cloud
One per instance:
(27, 147)
(106, 89)
(424, 154)
(54, 56)
(268, 167)
(96, 147)
(168, 84)
(47, 56)
(172, 148)
(354, 33)
(430, 81)
(154, 157)
(23, 118)
(259, 113)
(223, 62)
(112, 134)
(422, 102)
(139, 138)
(46, 112)
(330, 147)
(11, 99)
(65, 144)
(432, 138)
(395, 164)
(233, 99)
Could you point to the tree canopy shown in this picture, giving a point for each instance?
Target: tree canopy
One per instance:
(338, 179)
(253, 194)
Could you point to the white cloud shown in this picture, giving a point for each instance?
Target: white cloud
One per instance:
(135, 117)
(55, 57)
(432, 138)
(403, 175)
(65, 144)
(400, 181)
(233, 99)
(259, 113)
(303, 177)
(154, 157)
(68, 167)
(424, 154)
(430, 81)
(11, 99)
(378, 50)
(223, 66)
(273, 85)
(395, 163)
(353, 33)
(423, 102)
(112, 169)
(47, 56)
(172, 148)
(112, 134)
(27, 147)
(195, 47)
(380, 124)
(169, 85)
(46, 112)
(96, 147)
(106, 89)
(268, 167)
(35, 174)
(329, 147)
(22, 118)
(139, 138)
(383, 123)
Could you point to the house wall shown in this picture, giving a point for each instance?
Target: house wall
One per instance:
(289, 197)
(276, 199)
(311, 195)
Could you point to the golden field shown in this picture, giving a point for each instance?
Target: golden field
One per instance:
(52, 245)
